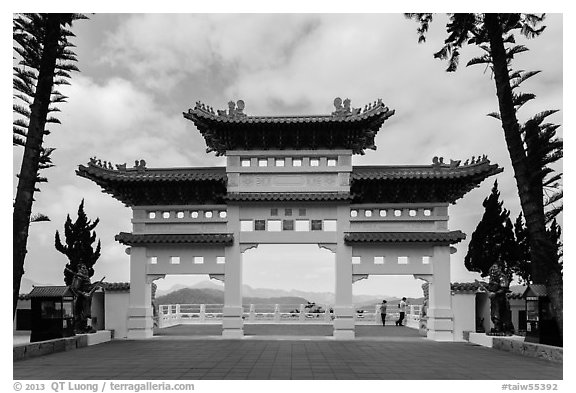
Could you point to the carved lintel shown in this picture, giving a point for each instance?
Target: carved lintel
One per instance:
(328, 246)
(429, 278)
(150, 278)
(358, 277)
(219, 277)
(247, 246)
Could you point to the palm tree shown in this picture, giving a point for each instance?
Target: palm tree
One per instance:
(531, 146)
(43, 61)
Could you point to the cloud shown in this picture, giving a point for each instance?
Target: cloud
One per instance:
(164, 50)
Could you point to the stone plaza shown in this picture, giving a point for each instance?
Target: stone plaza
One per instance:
(310, 352)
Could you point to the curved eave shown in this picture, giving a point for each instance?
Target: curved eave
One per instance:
(288, 196)
(96, 174)
(130, 239)
(438, 238)
(475, 171)
(394, 184)
(159, 186)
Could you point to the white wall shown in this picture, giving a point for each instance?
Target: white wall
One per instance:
(464, 309)
(116, 312)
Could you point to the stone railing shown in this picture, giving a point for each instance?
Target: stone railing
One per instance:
(177, 314)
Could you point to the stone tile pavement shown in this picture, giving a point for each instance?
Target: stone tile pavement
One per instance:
(189, 353)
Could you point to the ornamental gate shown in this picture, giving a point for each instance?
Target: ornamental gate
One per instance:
(290, 180)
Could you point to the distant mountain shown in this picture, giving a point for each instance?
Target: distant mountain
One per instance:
(216, 296)
(211, 292)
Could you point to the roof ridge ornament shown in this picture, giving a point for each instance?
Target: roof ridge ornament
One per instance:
(94, 161)
(235, 109)
(140, 165)
(438, 162)
(343, 107)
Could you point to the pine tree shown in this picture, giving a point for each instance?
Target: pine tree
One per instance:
(493, 239)
(78, 247)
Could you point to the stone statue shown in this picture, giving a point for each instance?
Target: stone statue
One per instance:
(83, 291)
(240, 108)
(498, 287)
(341, 110)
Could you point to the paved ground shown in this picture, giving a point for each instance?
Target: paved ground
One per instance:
(189, 353)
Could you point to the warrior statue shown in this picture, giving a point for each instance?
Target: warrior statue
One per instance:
(498, 287)
(83, 291)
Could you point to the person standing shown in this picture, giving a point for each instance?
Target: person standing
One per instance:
(383, 312)
(402, 307)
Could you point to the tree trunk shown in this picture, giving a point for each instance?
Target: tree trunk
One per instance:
(32, 150)
(544, 265)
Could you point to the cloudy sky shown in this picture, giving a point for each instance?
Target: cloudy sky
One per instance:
(140, 72)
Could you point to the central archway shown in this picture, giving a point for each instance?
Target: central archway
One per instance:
(281, 281)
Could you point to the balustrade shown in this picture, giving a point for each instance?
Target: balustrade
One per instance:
(175, 314)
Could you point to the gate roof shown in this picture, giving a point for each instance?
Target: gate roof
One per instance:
(346, 128)
(438, 182)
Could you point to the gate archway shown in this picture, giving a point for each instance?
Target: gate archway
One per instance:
(290, 179)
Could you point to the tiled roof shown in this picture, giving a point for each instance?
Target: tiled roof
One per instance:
(535, 290)
(200, 112)
(423, 171)
(368, 184)
(162, 186)
(115, 286)
(464, 287)
(289, 196)
(93, 172)
(344, 129)
(404, 237)
(50, 291)
(516, 291)
(202, 238)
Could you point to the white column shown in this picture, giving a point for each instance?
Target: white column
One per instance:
(276, 313)
(343, 307)
(301, 315)
(440, 317)
(232, 323)
(140, 314)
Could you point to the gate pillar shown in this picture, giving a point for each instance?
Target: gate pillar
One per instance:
(232, 322)
(140, 313)
(440, 317)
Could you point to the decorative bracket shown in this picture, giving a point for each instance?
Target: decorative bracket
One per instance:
(128, 250)
(429, 278)
(358, 277)
(219, 277)
(247, 246)
(328, 246)
(453, 250)
(150, 278)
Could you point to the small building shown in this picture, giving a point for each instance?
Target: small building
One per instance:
(52, 314)
(541, 327)
(109, 308)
